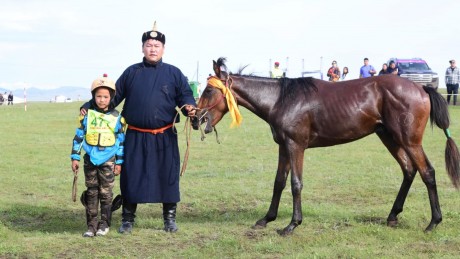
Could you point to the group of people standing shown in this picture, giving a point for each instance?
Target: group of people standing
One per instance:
(9, 98)
(367, 70)
(389, 68)
(334, 73)
(146, 154)
(452, 76)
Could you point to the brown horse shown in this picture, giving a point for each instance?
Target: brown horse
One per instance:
(307, 113)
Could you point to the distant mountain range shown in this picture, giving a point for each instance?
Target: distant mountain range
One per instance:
(45, 95)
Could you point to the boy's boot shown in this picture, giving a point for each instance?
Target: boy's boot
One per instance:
(90, 200)
(106, 216)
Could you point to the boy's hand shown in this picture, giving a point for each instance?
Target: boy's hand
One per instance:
(83, 111)
(117, 170)
(75, 166)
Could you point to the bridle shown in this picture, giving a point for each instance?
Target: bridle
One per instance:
(228, 84)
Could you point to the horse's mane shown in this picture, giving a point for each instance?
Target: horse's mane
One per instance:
(289, 87)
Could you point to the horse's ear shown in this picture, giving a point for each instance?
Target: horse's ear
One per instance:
(216, 68)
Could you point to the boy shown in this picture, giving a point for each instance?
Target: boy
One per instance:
(101, 135)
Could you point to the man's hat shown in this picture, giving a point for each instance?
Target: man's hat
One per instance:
(277, 63)
(154, 35)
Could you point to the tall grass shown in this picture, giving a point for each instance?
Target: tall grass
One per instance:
(347, 195)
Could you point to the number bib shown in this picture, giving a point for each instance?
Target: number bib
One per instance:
(100, 129)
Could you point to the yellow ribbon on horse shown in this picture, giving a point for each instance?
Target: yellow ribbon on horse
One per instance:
(231, 103)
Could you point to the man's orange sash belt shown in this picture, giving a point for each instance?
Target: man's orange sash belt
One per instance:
(153, 131)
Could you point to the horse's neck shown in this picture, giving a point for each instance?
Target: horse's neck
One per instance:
(256, 95)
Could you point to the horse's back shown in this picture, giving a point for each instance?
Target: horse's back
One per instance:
(346, 111)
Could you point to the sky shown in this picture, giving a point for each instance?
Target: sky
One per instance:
(52, 43)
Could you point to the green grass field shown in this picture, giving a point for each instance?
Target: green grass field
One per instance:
(347, 195)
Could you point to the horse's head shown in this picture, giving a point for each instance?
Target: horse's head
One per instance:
(212, 105)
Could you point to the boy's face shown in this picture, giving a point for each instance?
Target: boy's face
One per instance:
(102, 98)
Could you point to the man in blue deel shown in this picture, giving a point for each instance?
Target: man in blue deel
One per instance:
(152, 90)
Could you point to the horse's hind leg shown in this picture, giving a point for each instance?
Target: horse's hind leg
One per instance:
(408, 174)
(419, 163)
(429, 178)
(280, 183)
(427, 173)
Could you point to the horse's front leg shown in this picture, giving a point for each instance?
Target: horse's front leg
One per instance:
(280, 182)
(296, 154)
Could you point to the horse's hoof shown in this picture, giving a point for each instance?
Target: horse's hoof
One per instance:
(256, 226)
(430, 227)
(392, 223)
(260, 224)
(284, 232)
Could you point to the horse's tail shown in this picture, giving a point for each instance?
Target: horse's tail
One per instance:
(439, 115)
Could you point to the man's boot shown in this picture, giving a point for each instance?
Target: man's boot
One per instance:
(128, 214)
(169, 217)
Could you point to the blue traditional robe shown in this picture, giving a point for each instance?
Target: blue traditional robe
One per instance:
(150, 173)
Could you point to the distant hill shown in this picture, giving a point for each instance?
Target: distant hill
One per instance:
(45, 95)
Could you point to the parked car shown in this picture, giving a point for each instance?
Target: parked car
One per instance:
(417, 70)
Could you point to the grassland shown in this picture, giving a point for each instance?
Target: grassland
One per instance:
(347, 195)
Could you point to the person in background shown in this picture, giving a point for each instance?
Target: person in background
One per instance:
(10, 98)
(344, 74)
(384, 69)
(366, 70)
(276, 72)
(333, 72)
(452, 80)
(392, 69)
(101, 136)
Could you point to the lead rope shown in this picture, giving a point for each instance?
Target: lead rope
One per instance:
(188, 134)
(187, 129)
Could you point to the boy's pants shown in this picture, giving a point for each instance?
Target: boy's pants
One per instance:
(99, 181)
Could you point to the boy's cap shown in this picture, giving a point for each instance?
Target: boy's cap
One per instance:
(103, 81)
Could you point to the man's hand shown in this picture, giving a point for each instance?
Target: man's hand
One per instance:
(117, 170)
(75, 166)
(191, 110)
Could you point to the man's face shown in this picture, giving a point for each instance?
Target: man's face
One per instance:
(366, 62)
(452, 64)
(153, 50)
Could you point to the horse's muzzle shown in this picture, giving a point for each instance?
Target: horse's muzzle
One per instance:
(203, 117)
